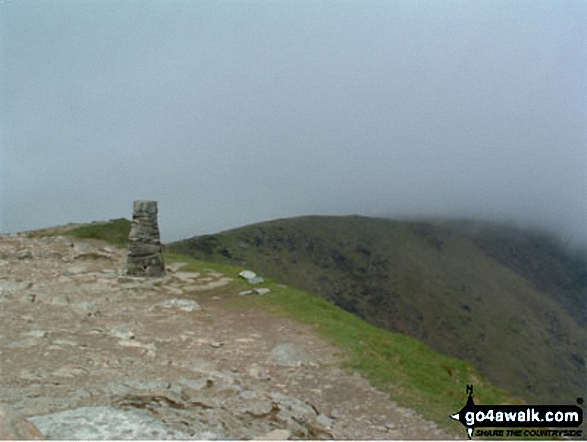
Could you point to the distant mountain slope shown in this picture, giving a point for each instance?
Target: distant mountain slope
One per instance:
(549, 266)
(428, 281)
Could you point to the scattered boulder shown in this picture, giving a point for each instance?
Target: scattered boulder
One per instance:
(251, 277)
(247, 274)
(258, 372)
(289, 355)
(260, 292)
(13, 287)
(122, 332)
(24, 254)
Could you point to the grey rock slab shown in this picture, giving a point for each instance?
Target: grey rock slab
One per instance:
(150, 348)
(14, 287)
(24, 254)
(30, 375)
(292, 408)
(13, 426)
(36, 334)
(208, 286)
(69, 372)
(92, 256)
(153, 386)
(175, 266)
(122, 332)
(81, 246)
(325, 421)
(193, 384)
(175, 291)
(186, 276)
(290, 355)
(108, 275)
(64, 342)
(25, 343)
(209, 435)
(249, 394)
(257, 408)
(275, 435)
(258, 372)
(256, 280)
(104, 423)
(186, 305)
(59, 300)
(89, 307)
(247, 274)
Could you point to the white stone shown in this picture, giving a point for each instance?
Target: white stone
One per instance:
(247, 274)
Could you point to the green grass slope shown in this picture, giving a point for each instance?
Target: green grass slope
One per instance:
(433, 284)
(415, 376)
(114, 231)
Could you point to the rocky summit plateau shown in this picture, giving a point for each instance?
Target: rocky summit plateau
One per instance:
(89, 353)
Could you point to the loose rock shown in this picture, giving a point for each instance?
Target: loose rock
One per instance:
(13, 426)
(289, 355)
(104, 423)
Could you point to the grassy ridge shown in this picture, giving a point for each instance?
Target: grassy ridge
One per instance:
(414, 375)
(114, 231)
(431, 283)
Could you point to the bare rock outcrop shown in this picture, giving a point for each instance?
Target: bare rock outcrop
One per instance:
(87, 353)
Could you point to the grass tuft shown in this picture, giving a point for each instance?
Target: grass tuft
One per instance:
(115, 232)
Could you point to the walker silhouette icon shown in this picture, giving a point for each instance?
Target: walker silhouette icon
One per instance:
(469, 407)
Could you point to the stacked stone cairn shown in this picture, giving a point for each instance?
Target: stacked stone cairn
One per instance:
(145, 258)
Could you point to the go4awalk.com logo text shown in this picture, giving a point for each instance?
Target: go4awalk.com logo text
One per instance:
(536, 420)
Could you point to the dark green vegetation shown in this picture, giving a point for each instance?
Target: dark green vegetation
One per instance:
(114, 231)
(542, 259)
(501, 302)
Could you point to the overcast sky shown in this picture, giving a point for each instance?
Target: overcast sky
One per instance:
(235, 112)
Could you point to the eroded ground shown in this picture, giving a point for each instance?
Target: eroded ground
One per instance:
(73, 333)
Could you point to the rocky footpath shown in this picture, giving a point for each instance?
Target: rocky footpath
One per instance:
(86, 353)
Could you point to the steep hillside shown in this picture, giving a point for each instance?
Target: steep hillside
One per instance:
(427, 281)
(538, 257)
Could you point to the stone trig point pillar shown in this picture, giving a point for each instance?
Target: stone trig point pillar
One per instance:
(144, 256)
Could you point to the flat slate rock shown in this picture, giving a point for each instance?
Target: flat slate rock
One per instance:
(13, 426)
(104, 423)
(290, 355)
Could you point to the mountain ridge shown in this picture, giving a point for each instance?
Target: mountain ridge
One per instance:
(430, 281)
